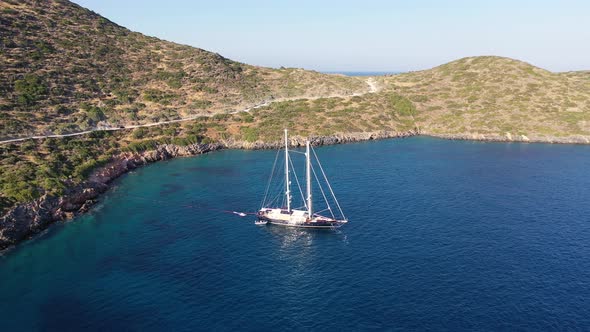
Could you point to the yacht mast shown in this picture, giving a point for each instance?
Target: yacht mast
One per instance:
(287, 183)
(308, 178)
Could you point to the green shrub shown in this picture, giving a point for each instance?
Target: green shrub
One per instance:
(18, 181)
(169, 132)
(139, 133)
(184, 141)
(173, 79)
(95, 114)
(249, 134)
(201, 104)
(84, 169)
(221, 117)
(29, 89)
(210, 90)
(142, 146)
(196, 129)
(126, 96)
(247, 117)
(20, 191)
(158, 96)
(401, 105)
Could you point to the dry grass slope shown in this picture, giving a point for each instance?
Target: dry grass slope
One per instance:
(494, 95)
(66, 69)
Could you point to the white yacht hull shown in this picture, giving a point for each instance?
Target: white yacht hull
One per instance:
(297, 219)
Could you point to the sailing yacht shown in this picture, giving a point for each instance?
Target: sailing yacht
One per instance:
(305, 216)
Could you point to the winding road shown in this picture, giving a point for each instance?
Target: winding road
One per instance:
(370, 82)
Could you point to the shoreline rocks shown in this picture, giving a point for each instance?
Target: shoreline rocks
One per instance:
(509, 137)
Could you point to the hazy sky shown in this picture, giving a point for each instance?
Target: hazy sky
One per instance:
(370, 35)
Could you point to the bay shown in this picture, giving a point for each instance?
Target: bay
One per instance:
(443, 235)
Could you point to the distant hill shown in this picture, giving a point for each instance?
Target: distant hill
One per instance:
(65, 68)
(485, 97)
(495, 95)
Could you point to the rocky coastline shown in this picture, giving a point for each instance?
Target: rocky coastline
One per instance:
(27, 219)
(508, 137)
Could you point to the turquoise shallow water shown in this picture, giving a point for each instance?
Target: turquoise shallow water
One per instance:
(444, 235)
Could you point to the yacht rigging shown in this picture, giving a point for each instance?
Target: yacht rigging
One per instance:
(284, 214)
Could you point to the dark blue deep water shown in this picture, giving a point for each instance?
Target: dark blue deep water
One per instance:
(363, 73)
(443, 235)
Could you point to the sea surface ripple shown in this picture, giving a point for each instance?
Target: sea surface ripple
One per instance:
(443, 235)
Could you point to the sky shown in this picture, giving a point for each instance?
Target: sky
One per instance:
(366, 35)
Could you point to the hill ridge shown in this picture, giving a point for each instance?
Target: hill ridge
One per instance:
(66, 68)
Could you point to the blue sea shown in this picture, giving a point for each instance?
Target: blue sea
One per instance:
(363, 73)
(443, 235)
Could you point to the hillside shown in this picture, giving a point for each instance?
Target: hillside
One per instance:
(494, 95)
(65, 69)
